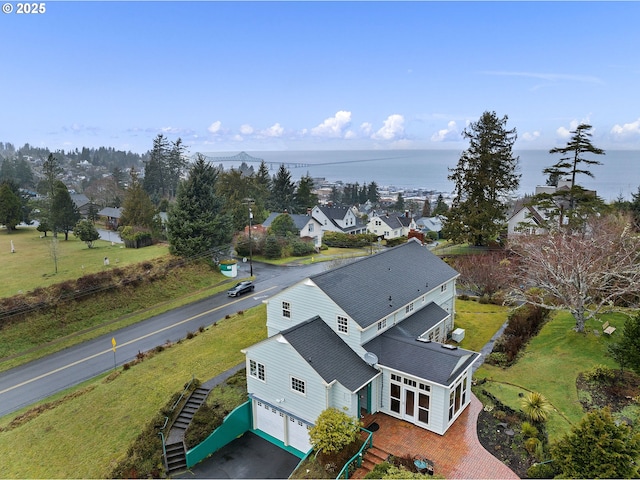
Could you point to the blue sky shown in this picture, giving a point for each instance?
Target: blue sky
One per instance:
(232, 76)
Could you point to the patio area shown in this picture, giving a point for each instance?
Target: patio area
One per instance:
(457, 454)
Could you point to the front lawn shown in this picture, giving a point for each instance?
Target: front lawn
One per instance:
(480, 322)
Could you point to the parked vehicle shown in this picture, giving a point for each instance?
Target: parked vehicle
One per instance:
(240, 288)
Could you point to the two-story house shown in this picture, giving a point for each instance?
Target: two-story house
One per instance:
(391, 225)
(338, 218)
(365, 337)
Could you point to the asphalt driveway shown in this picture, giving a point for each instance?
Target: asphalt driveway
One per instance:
(249, 456)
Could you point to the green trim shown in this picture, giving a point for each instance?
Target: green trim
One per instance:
(279, 443)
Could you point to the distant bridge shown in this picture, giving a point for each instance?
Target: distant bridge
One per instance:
(246, 158)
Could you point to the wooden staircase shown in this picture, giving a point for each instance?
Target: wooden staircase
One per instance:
(176, 459)
(372, 457)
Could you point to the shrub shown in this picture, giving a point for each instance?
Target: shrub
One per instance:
(379, 470)
(529, 431)
(272, 247)
(497, 358)
(300, 248)
(599, 373)
(541, 470)
(334, 430)
(531, 445)
(535, 406)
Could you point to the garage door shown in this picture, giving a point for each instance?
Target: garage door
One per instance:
(269, 420)
(298, 435)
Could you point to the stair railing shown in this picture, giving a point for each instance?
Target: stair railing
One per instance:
(344, 473)
(166, 421)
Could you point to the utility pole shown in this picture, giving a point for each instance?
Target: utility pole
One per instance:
(250, 246)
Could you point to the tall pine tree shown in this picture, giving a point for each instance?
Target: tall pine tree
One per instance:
(196, 223)
(484, 178)
(282, 191)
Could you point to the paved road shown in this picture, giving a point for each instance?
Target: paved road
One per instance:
(24, 385)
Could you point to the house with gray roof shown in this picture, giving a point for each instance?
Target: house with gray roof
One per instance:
(366, 337)
(339, 218)
(308, 227)
(391, 225)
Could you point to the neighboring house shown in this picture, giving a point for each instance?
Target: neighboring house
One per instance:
(391, 225)
(308, 227)
(112, 216)
(82, 203)
(527, 218)
(429, 224)
(365, 337)
(339, 218)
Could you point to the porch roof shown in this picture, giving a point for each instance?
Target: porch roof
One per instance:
(398, 349)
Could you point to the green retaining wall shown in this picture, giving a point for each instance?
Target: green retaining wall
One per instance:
(235, 424)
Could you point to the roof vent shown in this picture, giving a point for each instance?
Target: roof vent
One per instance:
(423, 340)
(449, 347)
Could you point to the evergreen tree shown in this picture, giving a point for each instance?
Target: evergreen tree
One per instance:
(575, 203)
(237, 190)
(634, 206)
(441, 206)
(176, 163)
(64, 213)
(155, 169)
(597, 448)
(336, 195)
(283, 226)
(426, 208)
(372, 193)
(137, 207)
(484, 178)
(282, 191)
(399, 205)
(262, 186)
(10, 207)
(304, 196)
(51, 169)
(626, 351)
(196, 223)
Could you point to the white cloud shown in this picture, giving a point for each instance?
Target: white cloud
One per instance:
(366, 128)
(451, 133)
(273, 131)
(349, 134)
(238, 138)
(626, 131)
(564, 132)
(531, 136)
(551, 77)
(215, 127)
(392, 129)
(333, 127)
(246, 129)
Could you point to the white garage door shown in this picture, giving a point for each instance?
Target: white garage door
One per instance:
(298, 435)
(269, 420)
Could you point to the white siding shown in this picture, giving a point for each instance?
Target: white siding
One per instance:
(281, 362)
(306, 302)
(439, 418)
(341, 397)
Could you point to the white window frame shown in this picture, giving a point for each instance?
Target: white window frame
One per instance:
(342, 325)
(286, 309)
(443, 287)
(257, 370)
(408, 308)
(382, 324)
(298, 385)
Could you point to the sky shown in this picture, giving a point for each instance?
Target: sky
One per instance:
(260, 76)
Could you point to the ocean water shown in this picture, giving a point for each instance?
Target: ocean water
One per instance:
(618, 175)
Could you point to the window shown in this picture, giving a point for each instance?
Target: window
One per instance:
(378, 223)
(408, 381)
(395, 398)
(343, 324)
(256, 370)
(382, 324)
(311, 227)
(297, 385)
(408, 308)
(423, 407)
(457, 397)
(286, 309)
(443, 287)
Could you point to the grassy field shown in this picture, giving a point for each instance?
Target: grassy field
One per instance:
(32, 264)
(550, 365)
(480, 322)
(84, 436)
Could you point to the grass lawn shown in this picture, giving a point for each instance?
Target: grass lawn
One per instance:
(85, 436)
(32, 265)
(480, 321)
(550, 365)
(331, 253)
(43, 333)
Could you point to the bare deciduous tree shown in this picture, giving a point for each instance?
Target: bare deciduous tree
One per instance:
(483, 274)
(584, 272)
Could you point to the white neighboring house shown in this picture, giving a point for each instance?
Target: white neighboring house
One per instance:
(430, 224)
(308, 227)
(531, 219)
(365, 337)
(391, 225)
(338, 218)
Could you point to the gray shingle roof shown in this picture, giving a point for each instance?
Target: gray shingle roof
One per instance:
(430, 360)
(395, 220)
(334, 212)
(111, 212)
(328, 355)
(375, 286)
(422, 320)
(299, 220)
